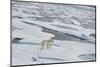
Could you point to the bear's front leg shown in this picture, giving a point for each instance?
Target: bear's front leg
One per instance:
(49, 45)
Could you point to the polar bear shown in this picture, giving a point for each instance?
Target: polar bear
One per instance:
(46, 44)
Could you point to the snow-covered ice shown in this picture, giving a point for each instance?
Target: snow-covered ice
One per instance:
(70, 27)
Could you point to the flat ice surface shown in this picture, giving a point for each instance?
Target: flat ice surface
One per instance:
(72, 28)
